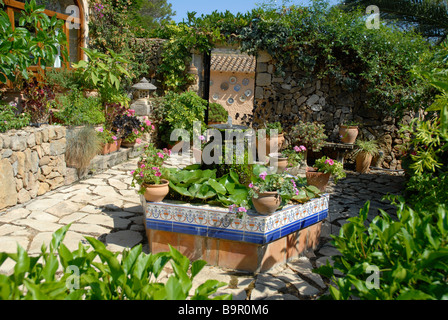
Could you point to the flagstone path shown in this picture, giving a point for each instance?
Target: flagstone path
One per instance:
(107, 207)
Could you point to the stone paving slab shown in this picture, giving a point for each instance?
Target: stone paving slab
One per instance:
(105, 206)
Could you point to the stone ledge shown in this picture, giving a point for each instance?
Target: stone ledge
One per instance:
(104, 162)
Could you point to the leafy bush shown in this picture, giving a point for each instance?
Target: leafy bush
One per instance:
(21, 48)
(179, 111)
(410, 256)
(38, 100)
(310, 134)
(217, 113)
(10, 119)
(99, 274)
(76, 109)
(62, 78)
(104, 72)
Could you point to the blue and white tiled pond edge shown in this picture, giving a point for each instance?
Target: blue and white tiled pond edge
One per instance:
(217, 222)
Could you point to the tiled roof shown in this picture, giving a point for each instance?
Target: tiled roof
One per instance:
(232, 63)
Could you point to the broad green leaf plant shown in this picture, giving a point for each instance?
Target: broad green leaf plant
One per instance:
(104, 72)
(21, 48)
(389, 259)
(95, 273)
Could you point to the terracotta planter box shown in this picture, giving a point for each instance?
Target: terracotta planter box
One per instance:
(111, 147)
(255, 243)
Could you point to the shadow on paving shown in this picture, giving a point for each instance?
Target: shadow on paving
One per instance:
(349, 195)
(128, 227)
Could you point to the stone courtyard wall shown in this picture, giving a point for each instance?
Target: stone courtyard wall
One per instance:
(32, 162)
(290, 98)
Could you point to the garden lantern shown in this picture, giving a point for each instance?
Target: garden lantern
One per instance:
(143, 89)
(142, 92)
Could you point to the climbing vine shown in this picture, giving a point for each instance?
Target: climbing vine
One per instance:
(320, 40)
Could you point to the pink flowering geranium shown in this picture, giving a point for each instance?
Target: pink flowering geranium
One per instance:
(150, 169)
(328, 165)
(240, 212)
(295, 155)
(106, 136)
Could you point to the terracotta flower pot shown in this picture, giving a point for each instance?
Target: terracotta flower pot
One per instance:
(317, 179)
(348, 134)
(267, 202)
(267, 141)
(197, 154)
(156, 192)
(275, 159)
(111, 147)
(127, 144)
(363, 161)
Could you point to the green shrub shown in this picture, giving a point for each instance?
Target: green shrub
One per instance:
(10, 119)
(75, 109)
(410, 256)
(179, 111)
(62, 78)
(99, 274)
(310, 134)
(217, 113)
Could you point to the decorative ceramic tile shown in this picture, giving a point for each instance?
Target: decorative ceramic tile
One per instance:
(217, 222)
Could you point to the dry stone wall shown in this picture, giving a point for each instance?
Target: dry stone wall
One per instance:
(290, 97)
(32, 162)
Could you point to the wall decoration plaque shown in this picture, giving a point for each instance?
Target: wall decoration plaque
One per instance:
(224, 86)
(232, 80)
(245, 82)
(237, 88)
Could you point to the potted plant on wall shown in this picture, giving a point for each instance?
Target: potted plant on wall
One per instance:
(348, 132)
(150, 175)
(365, 152)
(320, 173)
(110, 142)
(309, 134)
(131, 128)
(270, 191)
